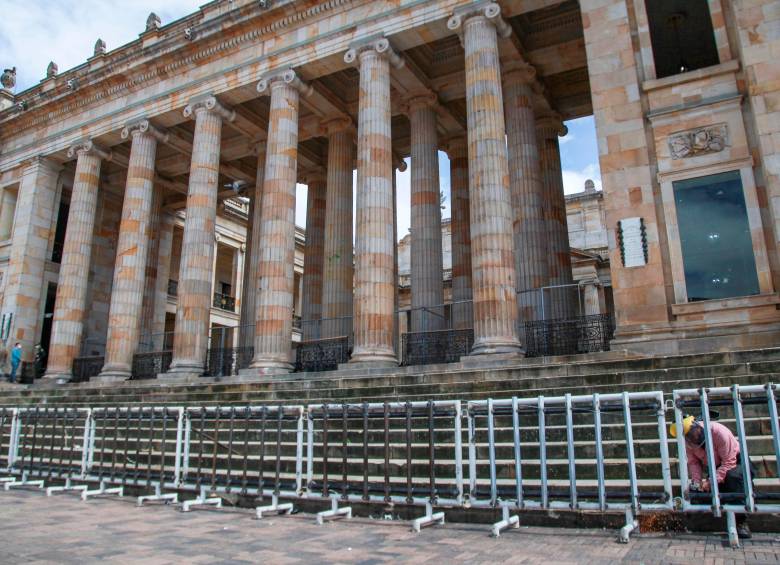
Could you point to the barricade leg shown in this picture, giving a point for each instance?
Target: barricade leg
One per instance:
(102, 490)
(429, 518)
(23, 482)
(285, 508)
(66, 487)
(169, 498)
(334, 512)
(506, 521)
(731, 529)
(202, 500)
(632, 525)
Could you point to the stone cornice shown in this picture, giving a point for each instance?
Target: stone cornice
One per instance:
(211, 40)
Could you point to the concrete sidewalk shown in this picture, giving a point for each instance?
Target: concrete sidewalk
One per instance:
(62, 529)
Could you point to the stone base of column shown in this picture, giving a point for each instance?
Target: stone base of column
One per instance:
(370, 360)
(59, 378)
(266, 367)
(509, 347)
(114, 374)
(182, 371)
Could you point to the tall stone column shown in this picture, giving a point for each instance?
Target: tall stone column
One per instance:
(426, 259)
(313, 256)
(374, 273)
(562, 301)
(525, 178)
(25, 289)
(145, 342)
(492, 259)
(338, 269)
(275, 275)
(247, 329)
(69, 306)
(164, 254)
(190, 340)
(461, 234)
(127, 292)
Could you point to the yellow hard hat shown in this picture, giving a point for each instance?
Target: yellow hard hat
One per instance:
(687, 423)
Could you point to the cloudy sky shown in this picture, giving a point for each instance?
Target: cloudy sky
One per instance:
(34, 32)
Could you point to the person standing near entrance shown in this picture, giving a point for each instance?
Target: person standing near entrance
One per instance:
(16, 360)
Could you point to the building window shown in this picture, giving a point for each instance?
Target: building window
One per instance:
(682, 36)
(7, 211)
(717, 248)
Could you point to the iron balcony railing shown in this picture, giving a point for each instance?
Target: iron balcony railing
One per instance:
(224, 302)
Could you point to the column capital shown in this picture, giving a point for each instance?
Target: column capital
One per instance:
(523, 73)
(315, 175)
(144, 126)
(400, 164)
(490, 11)
(209, 103)
(551, 125)
(88, 147)
(259, 148)
(423, 100)
(379, 45)
(288, 77)
(336, 125)
(456, 143)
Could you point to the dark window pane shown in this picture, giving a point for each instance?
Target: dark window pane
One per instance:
(682, 36)
(715, 237)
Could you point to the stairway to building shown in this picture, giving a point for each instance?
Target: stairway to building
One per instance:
(554, 376)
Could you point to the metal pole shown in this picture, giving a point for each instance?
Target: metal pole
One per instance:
(542, 450)
(630, 452)
(705, 414)
(571, 454)
(516, 438)
(492, 453)
(599, 452)
(747, 481)
(770, 398)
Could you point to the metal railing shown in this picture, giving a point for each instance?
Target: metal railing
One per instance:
(447, 335)
(224, 302)
(572, 336)
(322, 354)
(601, 452)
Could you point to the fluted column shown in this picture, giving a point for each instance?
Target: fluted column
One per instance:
(190, 340)
(530, 234)
(338, 269)
(70, 303)
(374, 278)
(247, 329)
(275, 275)
(461, 233)
(164, 254)
(145, 342)
(313, 256)
(492, 259)
(562, 301)
(426, 259)
(127, 292)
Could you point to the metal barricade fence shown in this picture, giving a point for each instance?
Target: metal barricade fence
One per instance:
(560, 453)
(139, 446)
(256, 450)
(574, 452)
(404, 452)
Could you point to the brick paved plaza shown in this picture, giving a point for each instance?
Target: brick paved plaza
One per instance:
(62, 529)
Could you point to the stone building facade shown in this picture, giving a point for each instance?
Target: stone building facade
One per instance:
(266, 94)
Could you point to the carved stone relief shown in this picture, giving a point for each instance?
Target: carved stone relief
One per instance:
(699, 141)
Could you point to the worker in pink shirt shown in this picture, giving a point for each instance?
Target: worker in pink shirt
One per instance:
(728, 463)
